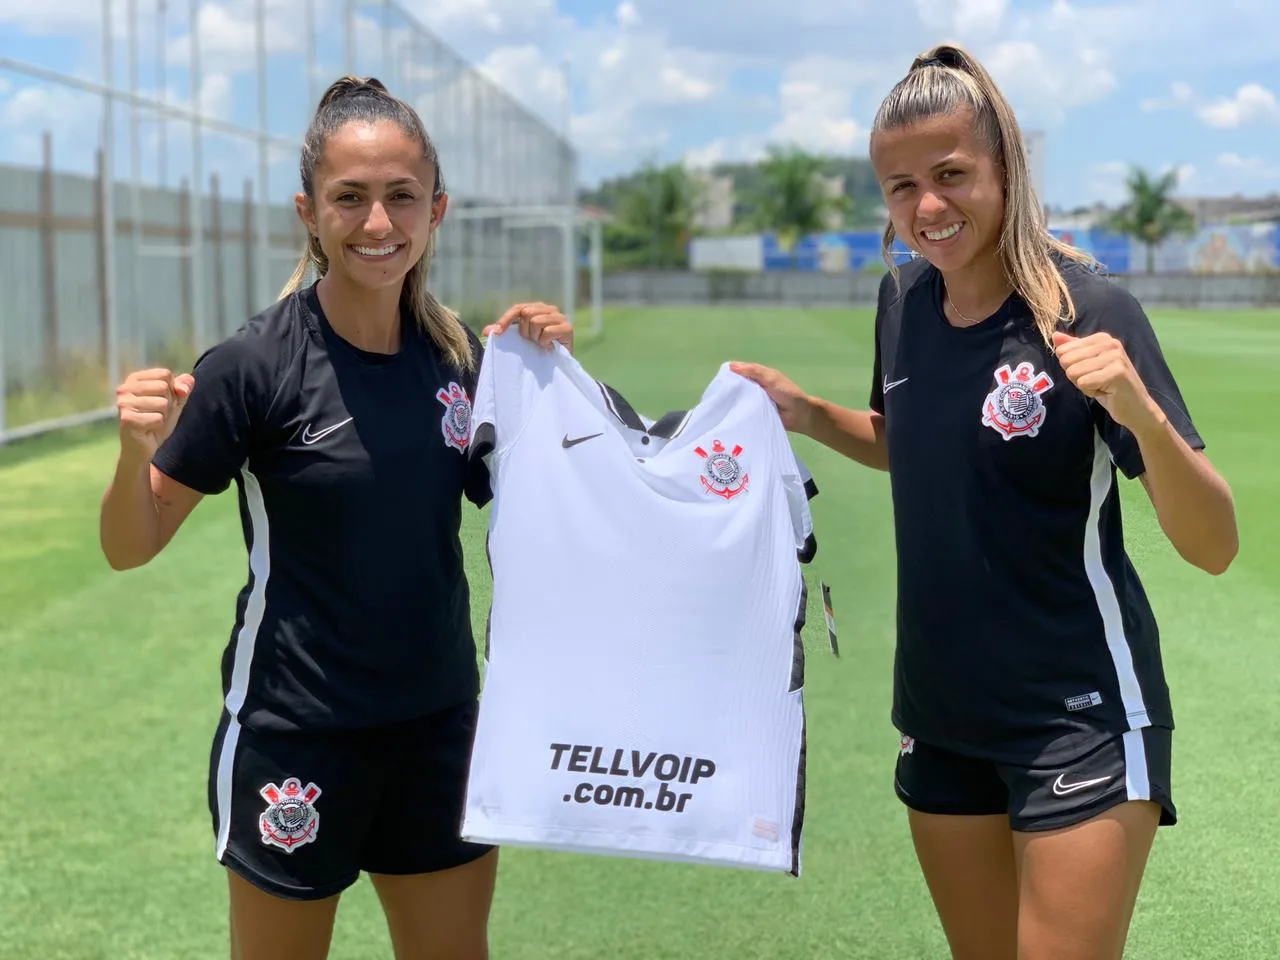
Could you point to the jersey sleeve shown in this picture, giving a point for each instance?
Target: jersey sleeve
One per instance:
(799, 484)
(800, 490)
(506, 390)
(478, 485)
(876, 401)
(1124, 318)
(213, 437)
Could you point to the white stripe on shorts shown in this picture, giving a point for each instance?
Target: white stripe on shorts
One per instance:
(1136, 777)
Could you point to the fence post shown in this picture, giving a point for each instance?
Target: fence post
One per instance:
(49, 257)
(106, 177)
(186, 263)
(250, 275)
(4, 387)
(219, 270)
(99, 236)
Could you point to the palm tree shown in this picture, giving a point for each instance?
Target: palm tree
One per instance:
(792, 199)
(655, 219)
(1152, 216)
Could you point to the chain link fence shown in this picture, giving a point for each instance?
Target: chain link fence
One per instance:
(147, 173)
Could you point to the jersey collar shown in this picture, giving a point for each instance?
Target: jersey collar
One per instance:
(665, 427)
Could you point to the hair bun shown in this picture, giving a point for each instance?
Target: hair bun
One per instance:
(350, 86)
(944, 55)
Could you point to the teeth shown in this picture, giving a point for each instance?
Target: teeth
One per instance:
(377, 251)
(950, 231)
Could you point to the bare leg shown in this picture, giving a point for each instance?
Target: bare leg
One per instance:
(968, 864)
(440, 916)
(1079, 884)
(265, 927)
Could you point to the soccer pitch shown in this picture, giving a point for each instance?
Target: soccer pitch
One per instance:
(109, 696)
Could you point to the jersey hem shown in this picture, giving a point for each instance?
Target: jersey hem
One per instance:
(621, 845)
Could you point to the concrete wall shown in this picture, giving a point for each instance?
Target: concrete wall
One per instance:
(675, 288)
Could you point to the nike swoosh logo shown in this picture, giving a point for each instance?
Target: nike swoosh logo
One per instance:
(889, 385)
(567, 443)
(309, 438)
(1061, 788)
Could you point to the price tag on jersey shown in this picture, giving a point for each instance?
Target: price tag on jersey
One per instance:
(831, 618)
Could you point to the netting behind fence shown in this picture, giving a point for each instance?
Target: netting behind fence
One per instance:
(197, 230)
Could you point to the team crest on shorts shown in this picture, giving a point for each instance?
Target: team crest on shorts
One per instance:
(1015, 408)
(456, 422)
(906, 745)
(290, 820)
(722, 474)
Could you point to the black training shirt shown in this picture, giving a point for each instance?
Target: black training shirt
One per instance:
(1024, 632)
(350, 468)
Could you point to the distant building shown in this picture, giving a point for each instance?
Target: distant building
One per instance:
(714, 211)
(1234, 209)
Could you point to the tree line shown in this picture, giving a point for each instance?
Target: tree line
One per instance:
(655, 211)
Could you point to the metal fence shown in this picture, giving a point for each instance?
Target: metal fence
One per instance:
(146, 213)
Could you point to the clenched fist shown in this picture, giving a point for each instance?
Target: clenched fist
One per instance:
(1100, 367)
(149, 404)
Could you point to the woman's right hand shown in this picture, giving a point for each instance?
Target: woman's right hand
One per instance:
(149, 403)
(795, 407)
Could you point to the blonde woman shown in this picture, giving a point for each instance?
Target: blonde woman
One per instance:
(342, 414)
(1011, 382)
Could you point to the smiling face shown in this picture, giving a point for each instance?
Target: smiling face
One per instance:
(943, 188)
(371, 204)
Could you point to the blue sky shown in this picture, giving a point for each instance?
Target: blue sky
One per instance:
(1162, 83)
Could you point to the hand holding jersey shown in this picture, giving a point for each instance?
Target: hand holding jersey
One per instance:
(539, 322)
(149, 404)
(795, 408)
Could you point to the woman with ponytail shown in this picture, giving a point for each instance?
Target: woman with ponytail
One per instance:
(1011, 382)
(342, 414)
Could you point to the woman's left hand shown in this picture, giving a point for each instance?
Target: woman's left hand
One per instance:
(540, 322)
(1099, 366)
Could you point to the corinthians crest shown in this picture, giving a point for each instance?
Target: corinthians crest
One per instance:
(290, 820)
(722, 473)
(1015, 408)
(456, 422)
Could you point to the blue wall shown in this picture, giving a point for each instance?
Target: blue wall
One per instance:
(1222, 249)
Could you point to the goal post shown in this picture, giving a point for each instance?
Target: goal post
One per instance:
(509, 253)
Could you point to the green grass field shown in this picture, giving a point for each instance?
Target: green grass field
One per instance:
(109, 695)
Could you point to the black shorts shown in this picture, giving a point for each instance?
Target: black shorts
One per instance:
(300, 815)
(1132, 766)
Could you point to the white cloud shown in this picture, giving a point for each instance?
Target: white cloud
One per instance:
(463, 19)
(961, 17)
(1180, 95)
(707, 156)
(71, 118)
(748, 148)
(817, 108)
(524, 69)
(49, 19)
(1252, 103)
(627, 14)
(1106, 181)
(681, 86)
(1255, 172)
(1042, 82)
(227, 35)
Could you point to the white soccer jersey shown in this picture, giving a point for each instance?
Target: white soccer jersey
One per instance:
(643, 665)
